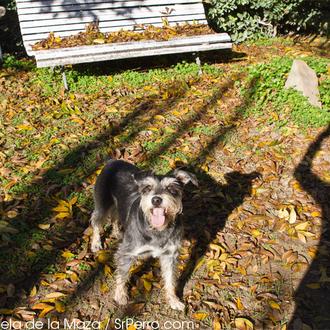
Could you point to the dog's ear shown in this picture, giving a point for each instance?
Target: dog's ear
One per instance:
(140, 176)
(185, 177)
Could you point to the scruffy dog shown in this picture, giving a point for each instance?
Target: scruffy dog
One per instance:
(144, 208)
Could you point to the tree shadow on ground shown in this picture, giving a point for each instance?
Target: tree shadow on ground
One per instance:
(312, 305)
(157, 62)
(205, 213)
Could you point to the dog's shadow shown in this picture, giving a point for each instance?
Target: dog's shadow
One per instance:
(206, 210)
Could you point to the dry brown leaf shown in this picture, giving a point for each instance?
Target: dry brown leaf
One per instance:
(213, 305)
(55, 295)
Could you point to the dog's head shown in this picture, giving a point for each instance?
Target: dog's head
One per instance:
(161, 196)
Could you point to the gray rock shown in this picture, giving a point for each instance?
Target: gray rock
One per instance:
(304, 79)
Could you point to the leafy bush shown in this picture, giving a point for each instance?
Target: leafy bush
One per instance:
(244, 19)
(10, 34)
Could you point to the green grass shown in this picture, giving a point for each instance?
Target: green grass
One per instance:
(10, 61)
(271, 41)
(89, 83)
(269, 93)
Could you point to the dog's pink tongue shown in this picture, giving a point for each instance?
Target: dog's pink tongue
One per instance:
(158, 217)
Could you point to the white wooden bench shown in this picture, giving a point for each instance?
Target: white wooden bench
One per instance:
(68, 17)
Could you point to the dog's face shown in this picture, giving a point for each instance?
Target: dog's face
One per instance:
(161, 197)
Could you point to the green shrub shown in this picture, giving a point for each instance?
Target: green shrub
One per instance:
(244, 19)
(10, 33)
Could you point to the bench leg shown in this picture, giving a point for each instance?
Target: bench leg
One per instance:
(198, 62)
(65, 82)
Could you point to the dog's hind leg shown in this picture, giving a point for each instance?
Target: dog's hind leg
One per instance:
(98, 220)
(114, 220)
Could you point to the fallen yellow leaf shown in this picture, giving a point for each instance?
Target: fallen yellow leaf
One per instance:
(200, 316)
(67, 254)
(242, 323)
(239, 304)
(293, 214)
(61, 208)
(40, 306)
(147, 285)
(255, 232)
(273, 304)
(44, 226)
(46, 311)
(103, 257)
(104, 287)
(60, 307)
(316, 214)
(216, 324)
(33, 292)
(313, 286)
(107, 270)
(302, 226)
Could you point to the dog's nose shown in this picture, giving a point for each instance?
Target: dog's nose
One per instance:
(156, 201)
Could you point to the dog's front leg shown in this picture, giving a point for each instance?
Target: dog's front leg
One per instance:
(167, 264)
(124, 263)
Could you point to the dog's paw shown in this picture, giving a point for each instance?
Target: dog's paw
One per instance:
(96, 246)
(176, 304)
(121, 297)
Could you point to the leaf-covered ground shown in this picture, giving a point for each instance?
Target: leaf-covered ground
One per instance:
(256, 250)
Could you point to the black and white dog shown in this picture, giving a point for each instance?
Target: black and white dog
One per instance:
(142, 207)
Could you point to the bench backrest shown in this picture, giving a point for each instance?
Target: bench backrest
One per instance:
(68, 17)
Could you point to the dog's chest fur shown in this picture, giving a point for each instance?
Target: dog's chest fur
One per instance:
(154, 251)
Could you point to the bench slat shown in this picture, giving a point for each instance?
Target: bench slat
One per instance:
(114, 14)
(132, 46)
(74, 27)
(110, 55)
(58, 6)
(50, 3)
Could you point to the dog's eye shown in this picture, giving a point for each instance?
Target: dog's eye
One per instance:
(146, 189)
(172, 191)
